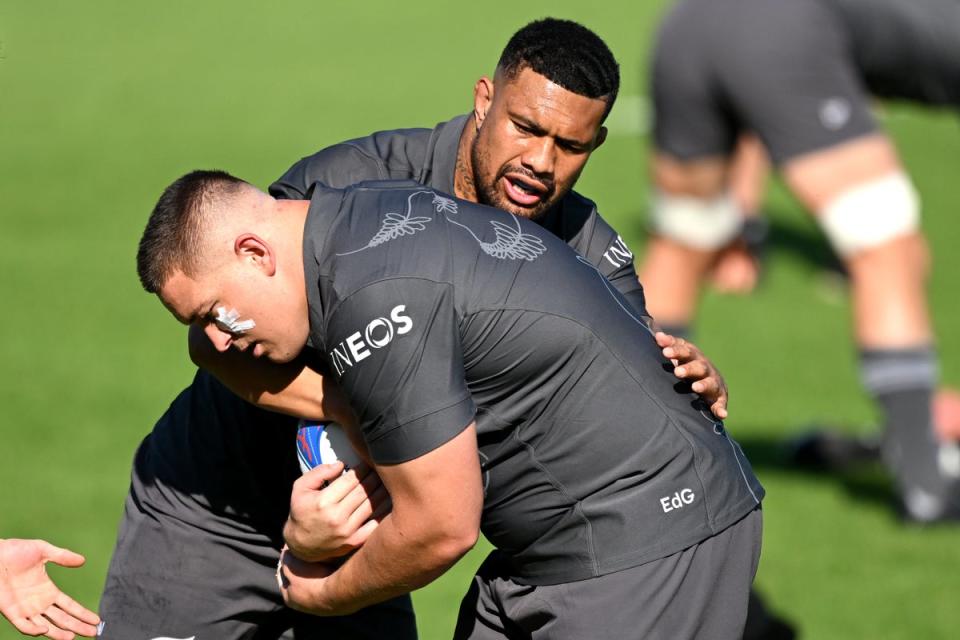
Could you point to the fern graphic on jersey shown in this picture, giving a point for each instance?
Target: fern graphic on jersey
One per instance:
(513, 244)
(395, 225)
(509, 244)
(444, 205)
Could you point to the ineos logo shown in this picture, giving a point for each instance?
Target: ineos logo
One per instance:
(378, 333)
(618, 254)
(678, 500)
(386, 334)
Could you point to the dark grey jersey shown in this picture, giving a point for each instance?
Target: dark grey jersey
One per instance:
(433, 312)
(218, 463)
(429, 156)
(239, 461)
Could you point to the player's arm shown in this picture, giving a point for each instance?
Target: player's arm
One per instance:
(31, 601)
(416, 415)
(337, 511)
(437, 501)
(292, 388)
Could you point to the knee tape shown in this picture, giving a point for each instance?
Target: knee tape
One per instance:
(706, 224)
(871, 214)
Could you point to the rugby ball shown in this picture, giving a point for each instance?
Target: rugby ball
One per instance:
(323, 443)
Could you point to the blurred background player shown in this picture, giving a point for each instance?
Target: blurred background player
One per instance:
(800, 75)
(31, 601)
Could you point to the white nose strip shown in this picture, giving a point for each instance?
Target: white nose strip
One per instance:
(230, 322)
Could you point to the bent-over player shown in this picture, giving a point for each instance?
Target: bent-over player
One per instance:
(500, 382)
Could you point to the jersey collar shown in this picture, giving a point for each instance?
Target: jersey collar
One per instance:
(439, 168)
(323, 211)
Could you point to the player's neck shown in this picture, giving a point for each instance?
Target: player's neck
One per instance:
(463, 185)
(293, 217)
(294, 210)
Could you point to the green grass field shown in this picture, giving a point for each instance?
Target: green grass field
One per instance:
(104, 103)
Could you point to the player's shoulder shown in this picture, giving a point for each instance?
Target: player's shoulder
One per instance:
(382, 144)
(381, 155)
(387, 138)
(579, 214)
(338, 165)
(399, 152)
(576, 203)
(389, 212)
(369, 196)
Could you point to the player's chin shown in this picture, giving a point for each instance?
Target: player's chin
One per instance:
(279, 356)
(531, 211)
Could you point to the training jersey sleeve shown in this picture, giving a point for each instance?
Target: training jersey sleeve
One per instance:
(615, 261)
(593, 237)
(395, 348)
(338, 166)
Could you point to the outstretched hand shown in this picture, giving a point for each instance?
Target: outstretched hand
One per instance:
(691, 365)
(31, 601)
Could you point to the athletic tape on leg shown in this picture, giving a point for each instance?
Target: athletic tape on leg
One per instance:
(700, 223)
(871, 214)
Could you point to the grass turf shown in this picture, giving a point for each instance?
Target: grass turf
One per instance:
(102, 104)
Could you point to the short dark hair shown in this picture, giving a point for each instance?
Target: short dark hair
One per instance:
(567, 54)
(172, 238)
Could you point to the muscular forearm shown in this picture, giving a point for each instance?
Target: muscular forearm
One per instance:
(398, 558)
(437, 502)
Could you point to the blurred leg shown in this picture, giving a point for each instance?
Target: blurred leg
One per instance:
(674, 266)
(858, 193)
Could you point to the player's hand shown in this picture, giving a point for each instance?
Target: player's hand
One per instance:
(31, 601)
(691, 365)
(304, 586)
(735, 270)
(331, 520)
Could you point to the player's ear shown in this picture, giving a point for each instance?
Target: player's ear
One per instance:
(601, 138)
(482, 98)
(253, 249)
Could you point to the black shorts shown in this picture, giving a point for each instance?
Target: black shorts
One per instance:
(783, 70)
(700, 593)
(183, 571)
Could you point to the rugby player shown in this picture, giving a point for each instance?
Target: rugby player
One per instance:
(500, 381)
(801, 75)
